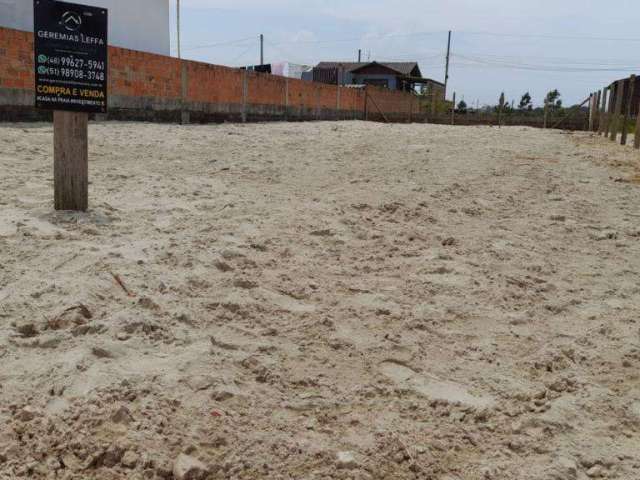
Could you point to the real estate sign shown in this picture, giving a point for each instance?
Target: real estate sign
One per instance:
(70, 45)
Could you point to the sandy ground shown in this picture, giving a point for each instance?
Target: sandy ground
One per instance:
(321, 301)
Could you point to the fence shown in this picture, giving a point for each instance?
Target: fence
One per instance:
(568, 120)
(144, 86)
(612, 111)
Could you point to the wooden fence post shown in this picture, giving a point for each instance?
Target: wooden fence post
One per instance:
(610, 109)
(434, 106)
(636, 143)
(453, 110)
(185, 116)
(591, 112)
(366, 104)
(245, 94)
(286, 99)
(615, 123)
(627, 110)
(597, 118)
(603, 116)
(603, 111)
(411, 108)
(71, 160)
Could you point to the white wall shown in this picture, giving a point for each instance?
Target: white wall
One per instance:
(135, 24)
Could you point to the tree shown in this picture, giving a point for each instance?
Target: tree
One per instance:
(501, 104)
(462, 107)
(526, 103)
(553, 99)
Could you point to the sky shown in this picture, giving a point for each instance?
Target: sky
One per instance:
(515, 46)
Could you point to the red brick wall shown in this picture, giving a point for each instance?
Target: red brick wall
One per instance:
(16, 59)
(213, 84)
(144, 80)
(396, 106)
(139, 74)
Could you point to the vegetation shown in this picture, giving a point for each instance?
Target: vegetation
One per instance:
(526, 103)
(553, 100)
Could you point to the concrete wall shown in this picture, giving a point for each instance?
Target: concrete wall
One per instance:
(136, 24)
(144, 86)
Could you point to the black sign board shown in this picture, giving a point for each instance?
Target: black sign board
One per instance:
(70, 44)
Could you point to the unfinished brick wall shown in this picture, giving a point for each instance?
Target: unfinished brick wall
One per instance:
(156, 87)
(389, 105)
(16, 59)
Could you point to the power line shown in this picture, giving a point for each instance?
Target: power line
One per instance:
(478, 61)
(365, 37)
(244, 52)
(555, 37)
(559, 60)
(221, 44)
(361, 38)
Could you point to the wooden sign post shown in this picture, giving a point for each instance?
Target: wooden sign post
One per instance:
(70, 53)
(71, 161)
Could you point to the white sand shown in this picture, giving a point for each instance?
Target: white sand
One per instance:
(443, 303)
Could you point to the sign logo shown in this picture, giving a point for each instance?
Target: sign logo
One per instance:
(72, 21)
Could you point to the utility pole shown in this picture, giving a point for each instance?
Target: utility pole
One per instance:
(261, 49)
(360, 55)
(178, 26)
(446, 73)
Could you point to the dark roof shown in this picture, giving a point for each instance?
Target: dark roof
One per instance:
(403, 68)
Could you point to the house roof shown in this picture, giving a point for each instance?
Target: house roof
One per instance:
(403, 68)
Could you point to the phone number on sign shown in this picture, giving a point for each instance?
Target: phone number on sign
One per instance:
(71, 62)
(71, 73)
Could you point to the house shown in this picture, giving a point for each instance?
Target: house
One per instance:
(392, 75)
(138, 25)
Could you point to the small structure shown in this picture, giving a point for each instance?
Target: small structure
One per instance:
(290, 70)
(404, 76)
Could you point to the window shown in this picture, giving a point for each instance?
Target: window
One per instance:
(378, 82)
